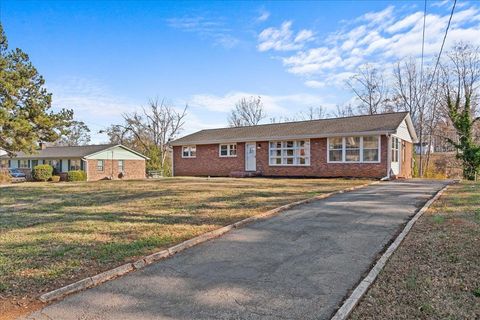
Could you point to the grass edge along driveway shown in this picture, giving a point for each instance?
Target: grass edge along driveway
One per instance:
(435, 273)
(54, 234)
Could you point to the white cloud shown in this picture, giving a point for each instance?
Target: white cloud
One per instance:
(315, 84)
(283, 38)
(264, 15)
(379, 38)
(275, 105)
(208, 28)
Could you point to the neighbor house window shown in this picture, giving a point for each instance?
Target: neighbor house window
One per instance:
(100, 165)
(395, 147)
(74, 164)
(228, 150)
(121, 165)
(289, 153)
(23, 163)
(189, 151)
(354, 149)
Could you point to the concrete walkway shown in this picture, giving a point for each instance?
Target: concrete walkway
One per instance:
(298, 265)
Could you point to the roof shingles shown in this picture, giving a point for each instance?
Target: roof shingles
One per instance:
(378, 123)
(63, 152)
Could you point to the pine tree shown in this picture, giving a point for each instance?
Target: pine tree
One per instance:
(25, 105)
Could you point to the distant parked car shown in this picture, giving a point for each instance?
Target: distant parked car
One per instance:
(16, 174)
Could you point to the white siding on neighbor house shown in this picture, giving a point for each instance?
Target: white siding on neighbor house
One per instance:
(13, 163)
(403, 133)
(118, 153)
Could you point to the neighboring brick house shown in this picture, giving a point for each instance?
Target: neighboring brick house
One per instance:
(374, 146)
(106, 161)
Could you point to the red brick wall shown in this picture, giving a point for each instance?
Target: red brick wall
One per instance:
(208, 163)
(406, 158)
(134, 169)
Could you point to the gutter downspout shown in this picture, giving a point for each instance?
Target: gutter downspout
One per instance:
(85, 166)
(389, 157)
(173, 164)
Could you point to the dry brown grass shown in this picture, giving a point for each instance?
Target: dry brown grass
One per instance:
(435, 274)
(54, 234)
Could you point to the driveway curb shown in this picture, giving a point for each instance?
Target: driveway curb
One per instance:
(141, 263)
(351, 302)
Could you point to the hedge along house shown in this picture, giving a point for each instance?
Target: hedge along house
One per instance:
(107, 161)
(374, 146)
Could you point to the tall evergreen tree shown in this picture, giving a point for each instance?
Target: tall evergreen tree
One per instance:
(26, 117)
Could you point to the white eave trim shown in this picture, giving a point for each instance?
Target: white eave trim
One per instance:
(411, 128)
(117, 145)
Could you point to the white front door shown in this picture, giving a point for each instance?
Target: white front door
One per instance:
(250, 157)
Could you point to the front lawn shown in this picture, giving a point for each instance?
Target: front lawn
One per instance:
(54, 234)
(435, 274)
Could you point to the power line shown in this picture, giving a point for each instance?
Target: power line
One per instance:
(423, 41)
(443, 43)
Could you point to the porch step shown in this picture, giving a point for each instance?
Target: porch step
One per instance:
(244, 174)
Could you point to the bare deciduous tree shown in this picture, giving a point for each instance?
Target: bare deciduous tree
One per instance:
(150, 130)
(370, 89)
(313, 113)
(247, 112)
(343, 111)
(76, 134)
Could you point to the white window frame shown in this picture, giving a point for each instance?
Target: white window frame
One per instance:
(361, 151)
(21, 166)
(121, 168)
(295, 156)
(102, 165)
(189, 151)
(230, 148)
(72, 167)
(395, 149)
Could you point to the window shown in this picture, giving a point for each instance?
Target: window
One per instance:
(55, 164)
(228, 150)
(189, 151)
(75, 164)
(121, 165)
(371, 149)
(23, 163)
(289, 153)
(395, 147)
(335, 147)
(354, 149)
(100, 165)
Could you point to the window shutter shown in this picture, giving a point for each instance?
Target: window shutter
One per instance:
(68, 166)
(81, 164)
(9, 163)
(59, 164)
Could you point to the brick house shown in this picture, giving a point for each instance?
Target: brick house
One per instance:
(105, 161)
(373, 146)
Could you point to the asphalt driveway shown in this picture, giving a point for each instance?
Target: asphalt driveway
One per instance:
(297, 265)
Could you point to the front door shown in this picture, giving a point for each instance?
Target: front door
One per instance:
(250, 157)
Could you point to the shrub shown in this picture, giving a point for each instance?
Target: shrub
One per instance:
(42, 172)
(55, 178)
(5, 176)
(76, 175)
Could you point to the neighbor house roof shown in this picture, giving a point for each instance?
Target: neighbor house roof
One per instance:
(356, 125)
(56, 152)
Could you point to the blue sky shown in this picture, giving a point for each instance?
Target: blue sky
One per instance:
(105, 58)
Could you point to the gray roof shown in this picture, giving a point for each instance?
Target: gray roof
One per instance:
(366, 124)
(63, 152)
